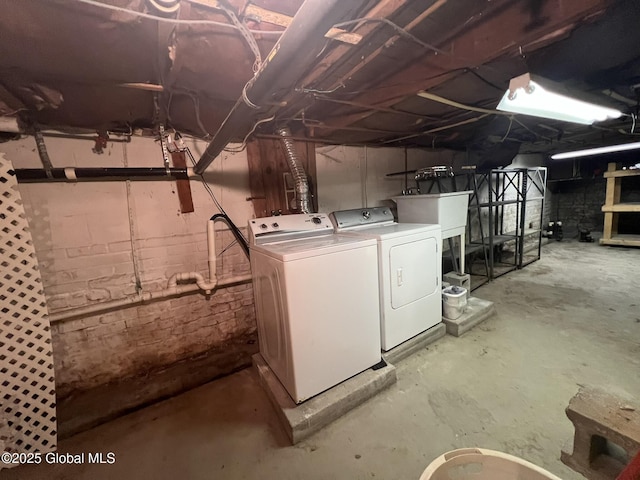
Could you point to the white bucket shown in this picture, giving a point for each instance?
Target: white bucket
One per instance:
(482, 464)
(454, 301)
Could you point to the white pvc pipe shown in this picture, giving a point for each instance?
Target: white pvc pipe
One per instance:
(203, 284)
(211, 249)
(170, 291)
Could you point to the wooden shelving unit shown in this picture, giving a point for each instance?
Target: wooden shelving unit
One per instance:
(613, 207)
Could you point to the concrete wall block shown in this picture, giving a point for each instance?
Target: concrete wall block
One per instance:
(107, 260)
(122, 291)
(87, 251)
(54, 254)
(98, 295)
(77, 299)
(223, 307)
(152, 285)
(184, 250)
(170, 240)
(111, 280)
(57, 302)
(54, 290)
(122, 246)
(120, 268)
(178, 263)
(223, 317)
(68, 326)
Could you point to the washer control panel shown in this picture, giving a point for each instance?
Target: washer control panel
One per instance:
(303, 224)
(362, 216)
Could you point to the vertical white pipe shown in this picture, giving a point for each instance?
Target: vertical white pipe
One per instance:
(211, 249)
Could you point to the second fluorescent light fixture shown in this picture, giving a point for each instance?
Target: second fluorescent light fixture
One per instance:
(597, 151)
(530, 98)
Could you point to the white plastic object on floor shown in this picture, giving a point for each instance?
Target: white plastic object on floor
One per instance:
(454, 301)
(483, 464)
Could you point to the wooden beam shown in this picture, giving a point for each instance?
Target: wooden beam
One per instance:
(256, 182)
(267, 167)
(275, 18)
(622, 207)
(622, 173)
(382, 48)
(383, 9)
(490, 37)
(183, 186)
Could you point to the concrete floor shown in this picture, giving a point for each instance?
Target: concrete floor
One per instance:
(570, 319)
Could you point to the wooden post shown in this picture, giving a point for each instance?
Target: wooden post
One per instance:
(183, 186)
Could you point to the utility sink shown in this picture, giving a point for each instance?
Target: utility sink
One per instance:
(447, 209)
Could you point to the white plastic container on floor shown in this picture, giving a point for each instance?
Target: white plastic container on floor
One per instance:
(454, 302)
(483, 464)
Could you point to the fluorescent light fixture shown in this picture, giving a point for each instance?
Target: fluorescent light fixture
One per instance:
(530, 98)
(596, 151)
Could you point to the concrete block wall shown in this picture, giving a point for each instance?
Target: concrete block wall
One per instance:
(578, 202)
(87, 236)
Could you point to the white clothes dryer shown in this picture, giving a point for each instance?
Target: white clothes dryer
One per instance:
(409, 270)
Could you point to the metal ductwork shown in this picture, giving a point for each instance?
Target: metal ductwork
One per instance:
(297, 170)
(293, 54)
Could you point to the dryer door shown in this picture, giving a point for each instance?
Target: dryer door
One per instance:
(414, 271)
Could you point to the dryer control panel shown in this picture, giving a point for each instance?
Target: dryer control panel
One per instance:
(362, 216)
(283, 227)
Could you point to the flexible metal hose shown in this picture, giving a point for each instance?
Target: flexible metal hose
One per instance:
(297, 171)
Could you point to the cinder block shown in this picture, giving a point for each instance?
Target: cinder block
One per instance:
(86, 251)
(454, 278)
(415, 344)
(600, 419)
(301, 421)
(477, 311)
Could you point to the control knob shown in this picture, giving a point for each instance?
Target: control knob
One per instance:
(316, 220)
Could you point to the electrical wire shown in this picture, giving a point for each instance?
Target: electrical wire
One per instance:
(633, 127)
(244, 141)
(196, 105)
(244, 30)
(235, 241)
(452, 103)
(236, 230)
(206, 185)
(508, 129)
(174, 21)
(313, 90)
(529, 130)
(397, 28)
(483, 79)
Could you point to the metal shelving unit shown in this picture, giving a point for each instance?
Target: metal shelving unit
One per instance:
(496, 192)
(520, 187)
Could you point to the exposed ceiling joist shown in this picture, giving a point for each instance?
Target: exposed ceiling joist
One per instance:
(476, 46)
(275, 18)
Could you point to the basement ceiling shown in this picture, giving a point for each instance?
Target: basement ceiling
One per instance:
(72, 64)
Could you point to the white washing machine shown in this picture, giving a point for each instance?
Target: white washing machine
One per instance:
(410, 268)
(316, 298)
